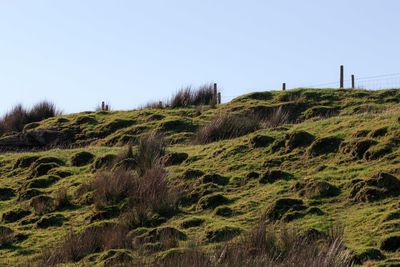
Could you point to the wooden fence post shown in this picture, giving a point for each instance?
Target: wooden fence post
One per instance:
(103, 106)
(283, 86)
(215, 93)
(353, 83)
(107, 108)
(341, 76)
(219, 97)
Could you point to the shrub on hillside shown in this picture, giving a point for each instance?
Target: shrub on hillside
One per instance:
(151, 149)
(78, 245)
(147, 194)
(227, 126)
(43, 110)
(278, 117)
(110, 188)
(188, 96)
(151, 196)
(18, 117)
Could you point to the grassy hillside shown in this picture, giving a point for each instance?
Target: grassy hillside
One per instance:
(321, 158)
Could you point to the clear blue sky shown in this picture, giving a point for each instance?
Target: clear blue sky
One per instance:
(76, 53)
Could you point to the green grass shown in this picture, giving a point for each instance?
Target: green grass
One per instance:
(358, 110)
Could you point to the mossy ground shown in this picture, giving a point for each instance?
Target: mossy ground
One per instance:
(366, 224)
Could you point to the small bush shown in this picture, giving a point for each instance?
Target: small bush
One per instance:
(278, 117)
(227, 126)
(188, 96)
(111, 188)
(151, 149)
(43, 110)
(18, 117)
(78, 245)
(15, 120)
(152, 194)
(147, 195)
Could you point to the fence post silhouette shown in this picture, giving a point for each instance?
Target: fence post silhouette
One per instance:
(353, 84)
(215, 93)
(283, 86)
(219, 97)
(103, 106)
(341, 76)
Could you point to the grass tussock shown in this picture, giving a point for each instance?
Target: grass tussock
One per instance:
(154, 193)
(112, 187)
(151, 149)
(145, 187)
(270, 245)
(188, 96)
(94, 239)
(16, 119)
(227, 126)
(279, 117)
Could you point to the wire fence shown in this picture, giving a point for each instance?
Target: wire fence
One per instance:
(385, 81)
(378, 82)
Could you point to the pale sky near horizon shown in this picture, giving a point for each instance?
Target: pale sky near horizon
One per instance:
(77, 53)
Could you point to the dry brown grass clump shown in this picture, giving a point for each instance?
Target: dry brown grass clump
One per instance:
(185, 97)
(227, 126)
(270, 245)
(112, 187)
(93, 239)
(279, 117)
(151, 149)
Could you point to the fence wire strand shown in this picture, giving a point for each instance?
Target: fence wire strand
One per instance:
(376, 82)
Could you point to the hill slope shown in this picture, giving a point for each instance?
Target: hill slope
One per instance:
(334, 160)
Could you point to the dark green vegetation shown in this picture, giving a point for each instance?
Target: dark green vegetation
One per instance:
(187, 186)
(20, 118)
